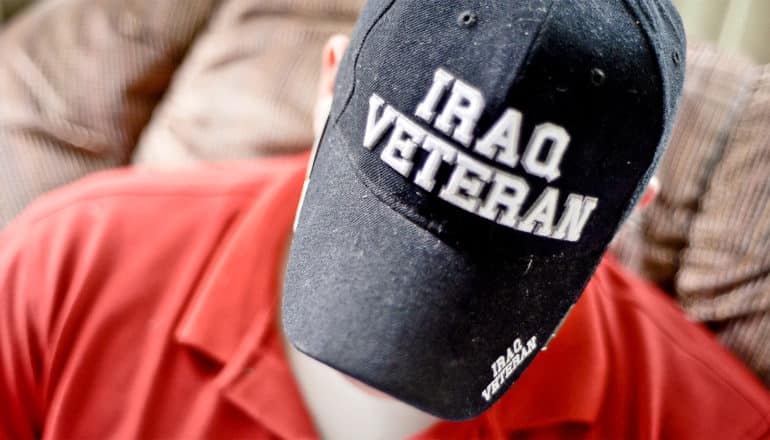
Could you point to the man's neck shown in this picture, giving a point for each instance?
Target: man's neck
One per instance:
(343, 410)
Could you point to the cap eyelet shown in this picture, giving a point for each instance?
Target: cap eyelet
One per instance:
(467, 19)
(598, 77)
(676, 57)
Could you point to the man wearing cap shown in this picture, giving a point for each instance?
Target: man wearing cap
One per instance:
(475, 163)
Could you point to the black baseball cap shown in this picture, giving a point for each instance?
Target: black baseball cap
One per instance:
(478, 159)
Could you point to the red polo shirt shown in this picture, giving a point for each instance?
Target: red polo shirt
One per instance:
(138, 304)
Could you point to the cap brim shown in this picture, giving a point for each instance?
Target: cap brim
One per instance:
(375, 296)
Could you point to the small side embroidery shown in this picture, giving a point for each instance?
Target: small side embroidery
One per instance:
(505, 365)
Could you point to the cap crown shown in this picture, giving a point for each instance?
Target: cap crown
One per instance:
(532, 125)
(477, 161)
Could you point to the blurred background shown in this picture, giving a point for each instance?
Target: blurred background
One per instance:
(10, 7)
(734, 25)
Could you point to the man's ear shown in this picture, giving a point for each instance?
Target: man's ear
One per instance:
(332, 55)
(330, 62)
(652, 191)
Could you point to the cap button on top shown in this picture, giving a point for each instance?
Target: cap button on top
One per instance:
(598, 77)
(467, 19)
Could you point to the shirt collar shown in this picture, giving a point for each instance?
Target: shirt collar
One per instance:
(236, 293)
(231, 315)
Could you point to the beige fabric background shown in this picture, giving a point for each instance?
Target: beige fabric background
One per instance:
(248, 85)
(736, 26)
(9, 7)
(78, 82)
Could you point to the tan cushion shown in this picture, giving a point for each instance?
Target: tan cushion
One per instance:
(725, 271)
(249, 85)
(78, 82)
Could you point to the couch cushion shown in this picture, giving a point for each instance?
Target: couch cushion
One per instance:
(725, 271)
(248, 87)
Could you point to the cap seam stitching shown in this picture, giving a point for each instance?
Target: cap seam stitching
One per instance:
(535, 43)
(355, 60)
